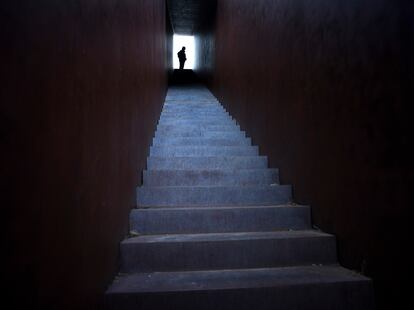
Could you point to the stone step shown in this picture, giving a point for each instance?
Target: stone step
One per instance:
(195, 115)
(188, 106)
(191, 102)
(194, 112)
(200, 122)
(199, 94)
(202, 141)
(186, 196)
(191, 113)
(183, 117)
(286, 288)
(171, 151)
(157, 221)
(205, 126)
(236, 250)
(203, 133)
(218, 162)
(197, 97)
(216, 177)
(189, 95)
(194, 131)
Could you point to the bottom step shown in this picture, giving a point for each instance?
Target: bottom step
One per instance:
(304, 288)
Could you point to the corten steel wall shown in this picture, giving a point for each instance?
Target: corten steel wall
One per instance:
(205, 46)
(82, 88)
(323, 89)
(205, 43)
(169, 44)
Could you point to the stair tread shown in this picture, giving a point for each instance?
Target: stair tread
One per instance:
(221, 208)
(233, 279)
(210, 177)
(204, 162)
(203, 147)
(213, 171)
(226, 187)
(228, 236)
(214, 195)
(228, 157)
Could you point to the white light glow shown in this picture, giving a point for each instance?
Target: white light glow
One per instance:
(189, 43)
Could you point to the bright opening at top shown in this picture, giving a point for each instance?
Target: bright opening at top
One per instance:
(179, 42)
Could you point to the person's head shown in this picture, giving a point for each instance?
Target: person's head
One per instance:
(183, 48)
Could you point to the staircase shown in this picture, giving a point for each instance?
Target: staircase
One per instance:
(216, 230)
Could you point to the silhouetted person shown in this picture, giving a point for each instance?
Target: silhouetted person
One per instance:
(182, 57)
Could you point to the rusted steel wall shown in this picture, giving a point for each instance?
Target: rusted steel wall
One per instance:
(82, 88)
(324, 88)
(205, 43)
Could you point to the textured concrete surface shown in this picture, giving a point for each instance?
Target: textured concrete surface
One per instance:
(197, 163)
(234, 278)
(304, 288)
(178, 130)
(155, 221)
(202, 141)
(202, 134)
(203, 151)
(176, 196)
(228, 177)
(204, 175)
(235, 250)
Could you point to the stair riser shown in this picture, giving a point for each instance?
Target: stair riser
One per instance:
(232, 254)
(201, 142)
(185, 128)
(337, 295)
(211, 178)
(188, 102)
(196, 130)
(213, 196)
(218, 220)
(195, 96)
(195, 113)
(192, 107)
(203, 151)
(203, 134)
(190, 115)
(220, 120)
(189, 163)
(200, 124)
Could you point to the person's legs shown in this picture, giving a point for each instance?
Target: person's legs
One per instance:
(182, 65)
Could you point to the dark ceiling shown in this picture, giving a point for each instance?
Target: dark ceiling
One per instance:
(188, 16)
